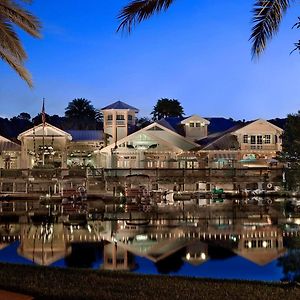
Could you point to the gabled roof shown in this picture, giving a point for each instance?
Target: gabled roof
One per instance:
(120, 105)
(166, 124)
(195, 118)
(259, 121)
(7, 145)
(48, 130)
(155, 130)
(221, 141)
(86, 135)
(220, 124)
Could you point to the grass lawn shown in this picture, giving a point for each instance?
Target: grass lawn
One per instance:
(55, 283)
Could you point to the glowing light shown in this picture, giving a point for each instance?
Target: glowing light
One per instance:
(203, 256)
(264, 244)
(188, 256)
(249, 245)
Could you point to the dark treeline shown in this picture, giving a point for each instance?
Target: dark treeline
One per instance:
(80, 114)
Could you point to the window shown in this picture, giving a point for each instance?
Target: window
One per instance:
(259, 139)
(120, 117)
(192, 124)
(253, 139)
(129, 117)
(198, 124)
(267, 139)
(109, 117)
(245, 139)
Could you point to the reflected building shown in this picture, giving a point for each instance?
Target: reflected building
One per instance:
(117, 258)
(262, 245)
(44, 244)
(196, 253)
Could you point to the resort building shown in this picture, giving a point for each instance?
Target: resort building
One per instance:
(186, 143)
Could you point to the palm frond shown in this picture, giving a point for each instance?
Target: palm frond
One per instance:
(16, 65)
(139, 10)
(19, 16)
(10, 40)
(267, 18)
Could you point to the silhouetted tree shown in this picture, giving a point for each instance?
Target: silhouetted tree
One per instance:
(38, 119)
(167, 108)
(267, 16)
(11, 49)
(291, 137)
(81, 114)
(290, 264)
(143, 122)
(24, 116)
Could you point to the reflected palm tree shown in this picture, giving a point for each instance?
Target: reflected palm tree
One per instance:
(290, 264)
(171, 264)
(83, 255)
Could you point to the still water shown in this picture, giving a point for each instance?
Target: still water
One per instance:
(251, 243)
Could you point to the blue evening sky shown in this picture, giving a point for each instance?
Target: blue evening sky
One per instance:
(197, 52)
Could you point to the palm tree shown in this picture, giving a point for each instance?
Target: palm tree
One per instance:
(267, 16)
(81, 114)
(165, 108)
(11, 49)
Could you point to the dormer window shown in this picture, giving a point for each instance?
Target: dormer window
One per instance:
(120, 117)
(192, 124)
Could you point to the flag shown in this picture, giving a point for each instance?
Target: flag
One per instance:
(43, 113)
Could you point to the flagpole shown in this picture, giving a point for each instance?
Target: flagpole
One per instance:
(43, 120)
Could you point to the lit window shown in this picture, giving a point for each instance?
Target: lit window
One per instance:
(192, 124)
(245, 139)
(267, 139)
(259, 139)
(197, 124)
(253, 139)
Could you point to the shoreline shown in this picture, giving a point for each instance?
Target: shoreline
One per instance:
(58, 283)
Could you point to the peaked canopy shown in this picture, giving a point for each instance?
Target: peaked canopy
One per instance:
(48, 130)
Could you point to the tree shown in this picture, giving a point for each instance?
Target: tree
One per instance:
(267, 16)
(167, 108)
(143, 122)
(291, 137)
(81, 114)
(24, 116)
(11, 49)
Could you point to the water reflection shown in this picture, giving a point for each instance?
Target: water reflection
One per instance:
(169, 244)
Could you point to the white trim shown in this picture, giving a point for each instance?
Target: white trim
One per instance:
(27, 132)
(240, 130)
(145, 130)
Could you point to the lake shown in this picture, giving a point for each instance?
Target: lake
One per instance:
(251, 242)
